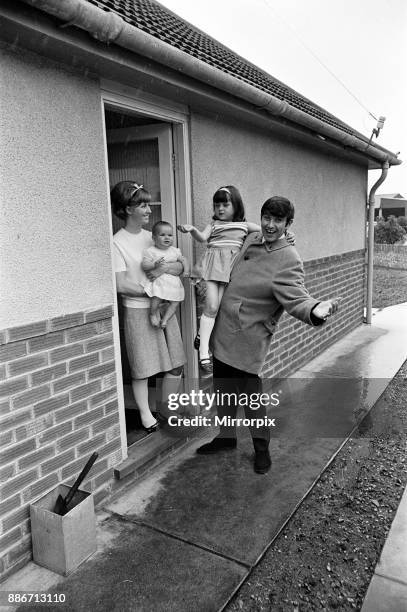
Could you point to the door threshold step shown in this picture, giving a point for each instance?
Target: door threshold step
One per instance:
(149, 452)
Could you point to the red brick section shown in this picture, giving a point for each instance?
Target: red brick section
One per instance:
(294, 344)
(58, 404)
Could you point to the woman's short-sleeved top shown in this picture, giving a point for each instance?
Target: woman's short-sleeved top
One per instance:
(228, 234)
(128, 254)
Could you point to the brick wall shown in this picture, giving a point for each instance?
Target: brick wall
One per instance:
(58, 404)
(390, 255)
(294, 344)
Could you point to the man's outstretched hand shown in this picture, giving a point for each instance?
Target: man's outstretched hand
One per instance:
(326, 309)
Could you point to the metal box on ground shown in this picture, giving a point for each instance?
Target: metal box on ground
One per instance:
(61, 543)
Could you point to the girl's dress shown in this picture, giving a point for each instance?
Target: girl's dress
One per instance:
(224, 243)
(166, 286)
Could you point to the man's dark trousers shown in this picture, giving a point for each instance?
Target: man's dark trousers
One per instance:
(228, 380)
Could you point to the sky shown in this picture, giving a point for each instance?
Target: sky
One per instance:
(362, 42)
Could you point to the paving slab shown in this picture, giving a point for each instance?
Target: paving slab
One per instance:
(388, 587)
(218, 501)
(384, 595)
(393, 559)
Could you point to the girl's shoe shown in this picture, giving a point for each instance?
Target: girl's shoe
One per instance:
(197, 342)
(206, 365)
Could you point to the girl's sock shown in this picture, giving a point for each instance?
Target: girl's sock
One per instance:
(205, 330)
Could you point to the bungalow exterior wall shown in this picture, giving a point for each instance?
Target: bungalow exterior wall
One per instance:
(329, 193)
(58, 389)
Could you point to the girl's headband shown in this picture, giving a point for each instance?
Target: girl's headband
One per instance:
(225, 189)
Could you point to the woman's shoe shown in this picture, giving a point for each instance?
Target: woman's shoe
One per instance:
(197, 342)
(206, 365)
(152, 428)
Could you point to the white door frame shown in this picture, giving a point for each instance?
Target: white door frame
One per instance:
(119, 97)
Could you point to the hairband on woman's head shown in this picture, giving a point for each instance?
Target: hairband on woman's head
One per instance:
(136, 189)
(225, 189)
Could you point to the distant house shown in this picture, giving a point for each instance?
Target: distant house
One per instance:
(98, 91)
(387, 204)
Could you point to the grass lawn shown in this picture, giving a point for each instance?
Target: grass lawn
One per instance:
(389, 287)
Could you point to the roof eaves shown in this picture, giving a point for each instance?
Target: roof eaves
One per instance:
(163, 24)
(138, 25)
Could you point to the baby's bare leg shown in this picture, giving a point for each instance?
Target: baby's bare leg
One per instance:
(170, 311)
(155, 317)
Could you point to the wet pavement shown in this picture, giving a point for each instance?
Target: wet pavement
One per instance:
(219, 503)
(188, 534)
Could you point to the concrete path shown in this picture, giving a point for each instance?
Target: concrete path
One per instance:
(187, 536)
(387, 591)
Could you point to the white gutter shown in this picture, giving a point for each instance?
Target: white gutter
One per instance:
(370, 244)
(111, 28)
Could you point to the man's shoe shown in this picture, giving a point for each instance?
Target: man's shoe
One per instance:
(262, 462)
(217, 445)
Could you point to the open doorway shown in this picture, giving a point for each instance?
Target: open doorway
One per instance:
(140, 148)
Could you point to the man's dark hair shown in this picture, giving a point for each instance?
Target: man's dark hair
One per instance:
(277, 206)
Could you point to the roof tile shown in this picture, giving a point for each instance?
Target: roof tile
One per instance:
(156, 20)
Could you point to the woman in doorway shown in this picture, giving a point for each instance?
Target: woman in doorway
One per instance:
(150, 350)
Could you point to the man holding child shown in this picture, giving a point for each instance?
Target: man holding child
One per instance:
(266, 279)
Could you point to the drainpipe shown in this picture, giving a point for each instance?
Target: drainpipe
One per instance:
(108, 27)
(370, 244)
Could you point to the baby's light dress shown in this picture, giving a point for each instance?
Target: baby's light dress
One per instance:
(167, 286)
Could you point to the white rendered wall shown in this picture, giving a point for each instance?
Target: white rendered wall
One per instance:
(54, 232)
(329, 194)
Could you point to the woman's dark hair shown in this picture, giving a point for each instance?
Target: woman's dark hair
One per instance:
(228, 193)
(128, 193)
(156, 227)
(277, 206)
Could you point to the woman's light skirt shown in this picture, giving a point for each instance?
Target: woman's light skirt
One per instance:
(151, 350)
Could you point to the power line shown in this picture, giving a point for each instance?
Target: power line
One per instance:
(314, 55)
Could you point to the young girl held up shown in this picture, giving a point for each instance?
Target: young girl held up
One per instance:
(224, 237)
(166, 288)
